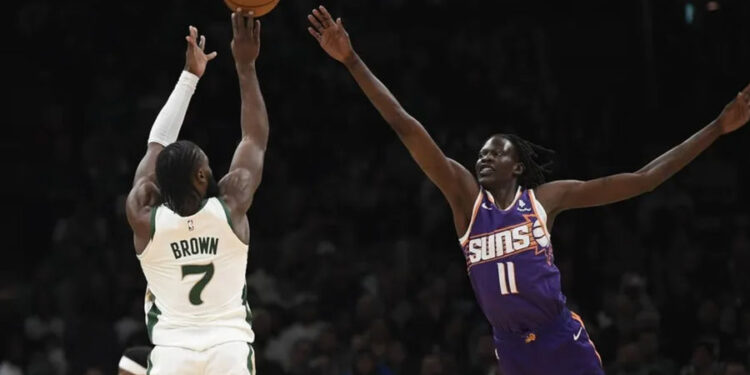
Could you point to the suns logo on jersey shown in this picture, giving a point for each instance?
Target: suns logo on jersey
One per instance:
(506, 242)
(539, 234)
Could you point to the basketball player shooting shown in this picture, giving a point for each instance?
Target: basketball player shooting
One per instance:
(503, 215)
(191, 234)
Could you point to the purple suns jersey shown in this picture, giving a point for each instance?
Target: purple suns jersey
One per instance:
(510, 263)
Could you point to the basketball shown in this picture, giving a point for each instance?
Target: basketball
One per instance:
(259, 7)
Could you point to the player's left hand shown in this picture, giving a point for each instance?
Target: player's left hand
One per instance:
(331, 35)
(246, 39)
(195, 56)
(736, 113)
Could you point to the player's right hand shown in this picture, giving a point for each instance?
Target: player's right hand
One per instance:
(245, 40)
(331, 35)
(195, 56)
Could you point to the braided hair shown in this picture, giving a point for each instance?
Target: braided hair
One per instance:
(175, 167)
(536, 159)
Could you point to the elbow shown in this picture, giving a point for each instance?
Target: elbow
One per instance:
(647, 182)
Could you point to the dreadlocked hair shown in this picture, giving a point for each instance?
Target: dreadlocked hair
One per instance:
(174, 170)
(536, 160)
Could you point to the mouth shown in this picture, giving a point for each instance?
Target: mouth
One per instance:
(486, 170)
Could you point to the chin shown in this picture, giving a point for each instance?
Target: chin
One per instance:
(486, 181)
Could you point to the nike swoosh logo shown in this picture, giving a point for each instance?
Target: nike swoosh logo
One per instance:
(577, 335)
(485, 206)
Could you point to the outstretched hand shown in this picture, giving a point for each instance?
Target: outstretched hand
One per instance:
(736, 113)
(195, 56)
(331, 35)
(245, 40)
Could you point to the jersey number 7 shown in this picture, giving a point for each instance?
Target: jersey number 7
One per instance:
(208, 272)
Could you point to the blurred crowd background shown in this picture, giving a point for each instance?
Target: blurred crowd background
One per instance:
(354, 267)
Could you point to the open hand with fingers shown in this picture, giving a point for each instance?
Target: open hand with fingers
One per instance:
(195, 56)
(736, 113)
(331, 35)
(245, 40)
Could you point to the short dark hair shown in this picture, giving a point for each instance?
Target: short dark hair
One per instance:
(174, 170)
(536, 159)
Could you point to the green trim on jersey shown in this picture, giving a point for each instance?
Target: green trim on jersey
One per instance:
(226, 211)
(152, 318)
(153, 221)
(149, 364)
(248, 312)
(250, 359)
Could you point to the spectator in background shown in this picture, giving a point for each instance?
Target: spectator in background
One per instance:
(432, 365)
(485, 361)
(735, 368)
(653, 362)
(363, 364)
(629, 361)
(703, 360)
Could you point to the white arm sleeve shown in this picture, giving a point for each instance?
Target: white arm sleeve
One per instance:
(169, 121)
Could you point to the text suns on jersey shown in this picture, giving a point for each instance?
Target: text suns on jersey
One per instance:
(506, 242)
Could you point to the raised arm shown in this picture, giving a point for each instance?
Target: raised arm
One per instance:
(457, 184)
(558, 196)
(240, 184)
(144, 193)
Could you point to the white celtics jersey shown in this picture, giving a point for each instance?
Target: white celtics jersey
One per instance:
(195, 268)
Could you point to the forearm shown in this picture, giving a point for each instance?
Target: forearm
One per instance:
(253, 116)
(558, 196)
(379, 95)
(450, 177)
(666, 165)
(166, 127)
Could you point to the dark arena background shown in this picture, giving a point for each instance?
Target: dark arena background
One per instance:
(354, 264)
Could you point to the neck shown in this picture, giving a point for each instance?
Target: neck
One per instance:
(504, 195)
(192, 205)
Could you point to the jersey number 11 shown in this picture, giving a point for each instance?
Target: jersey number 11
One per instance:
(507, 274)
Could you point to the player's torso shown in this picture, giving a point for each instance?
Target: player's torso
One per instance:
(509, 259)
(195, 268)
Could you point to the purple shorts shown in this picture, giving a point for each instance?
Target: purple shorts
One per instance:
(562, 347)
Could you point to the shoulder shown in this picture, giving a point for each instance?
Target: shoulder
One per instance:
(551, 194)
(145, 188)
(235, 189)
(466, 186)
(140, 207)
(142, 197)
(238, 179)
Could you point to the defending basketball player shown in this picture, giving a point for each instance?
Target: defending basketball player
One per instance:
(503, 216)
(191, 234)
(134, 361)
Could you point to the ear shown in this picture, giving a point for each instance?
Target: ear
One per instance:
(518, 169)
(201, 175)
